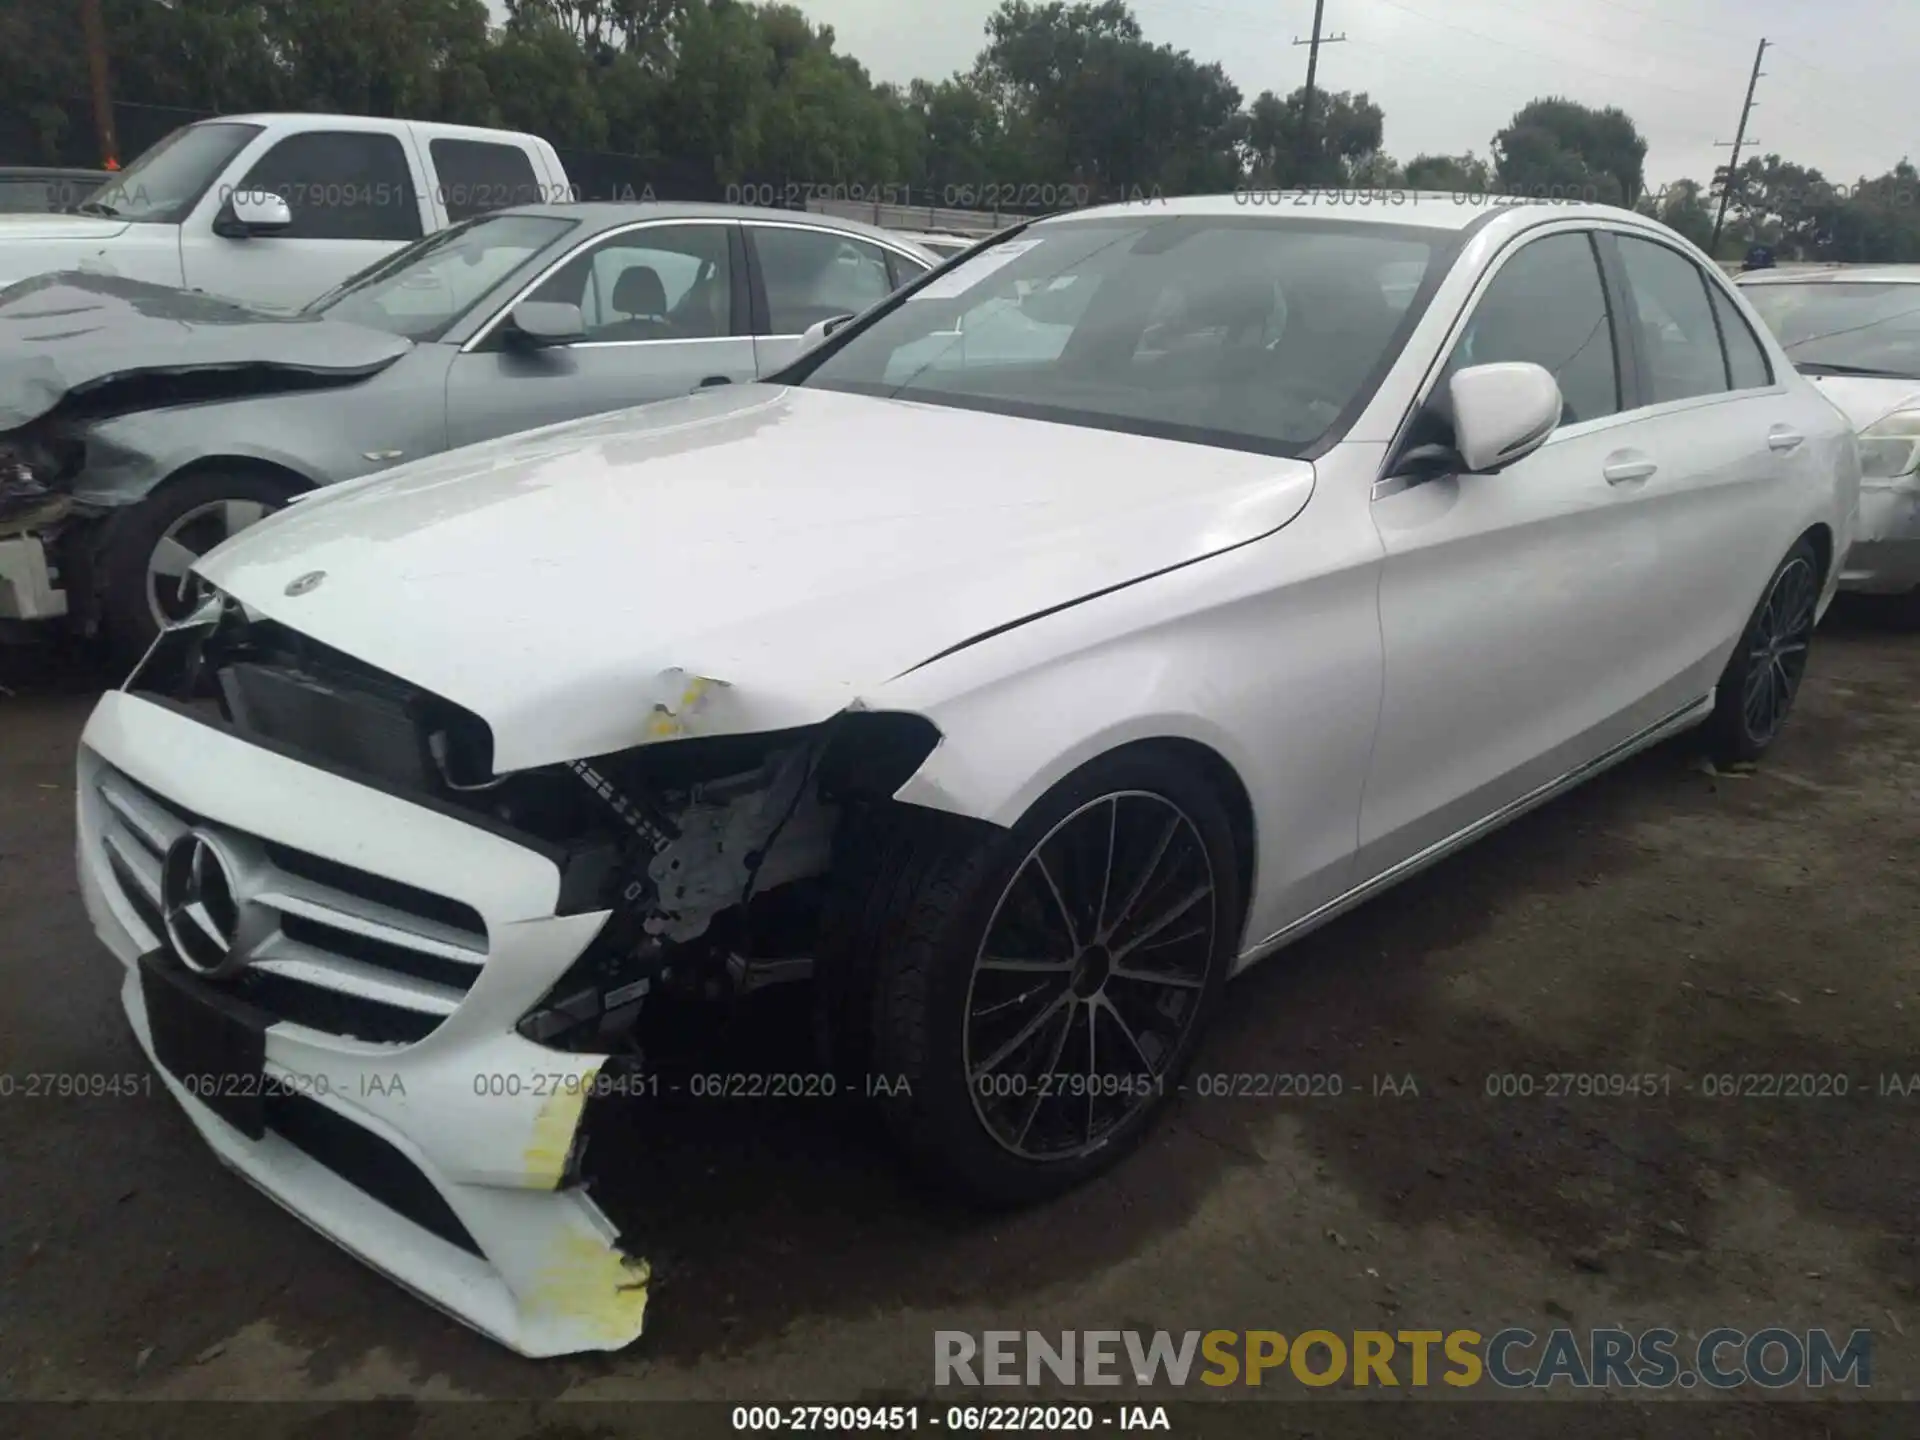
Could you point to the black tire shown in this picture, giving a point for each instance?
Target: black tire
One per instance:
(1778, 636)
(921, 909)
(127, 622)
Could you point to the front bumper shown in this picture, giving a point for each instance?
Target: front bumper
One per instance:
(449, 1161)
(1885, 556)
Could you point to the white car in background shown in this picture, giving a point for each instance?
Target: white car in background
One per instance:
(1856, 333)
(1016, 698)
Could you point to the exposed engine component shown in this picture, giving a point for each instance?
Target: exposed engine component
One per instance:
(737, 835)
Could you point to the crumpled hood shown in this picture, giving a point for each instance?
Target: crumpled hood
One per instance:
(64, 334)
(799, 546)
(82, 228)
(1863, 399)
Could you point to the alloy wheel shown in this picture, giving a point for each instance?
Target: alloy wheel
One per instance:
(1777, 650)
(172, 591)
(1090, 976)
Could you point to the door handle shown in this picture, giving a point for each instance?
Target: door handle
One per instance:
(1625, 466)
(1782, 439)
(712, 380)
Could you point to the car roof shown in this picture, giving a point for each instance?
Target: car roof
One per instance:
(1428, 209)
(606, 214)
(1837, 275)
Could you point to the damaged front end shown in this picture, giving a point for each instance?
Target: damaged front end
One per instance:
(706, 850)
(79, 350)
(695, 868)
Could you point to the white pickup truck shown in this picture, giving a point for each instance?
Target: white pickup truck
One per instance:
(278, 209)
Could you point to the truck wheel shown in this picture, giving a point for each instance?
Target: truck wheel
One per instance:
(145, 583)
(1038, 992)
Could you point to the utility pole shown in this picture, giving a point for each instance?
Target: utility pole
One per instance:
(1739, 139)
(1313, 68)
(95, 30)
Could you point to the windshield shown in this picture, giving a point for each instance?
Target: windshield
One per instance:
(421, 291)
(1845, 326)
(164, 184)
(1227, 329)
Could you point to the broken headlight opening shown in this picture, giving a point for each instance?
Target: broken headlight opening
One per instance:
(710, 853)
(33, 475)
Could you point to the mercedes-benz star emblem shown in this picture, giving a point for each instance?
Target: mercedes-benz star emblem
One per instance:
(214, 926)
(309, 581)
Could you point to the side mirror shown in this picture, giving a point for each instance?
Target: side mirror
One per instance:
(821, 329)
(1502, 413)
(545, 324)
(252, 212)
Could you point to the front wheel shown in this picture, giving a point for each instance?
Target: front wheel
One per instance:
(146, 582)
(1757, 689)
(1040, 991)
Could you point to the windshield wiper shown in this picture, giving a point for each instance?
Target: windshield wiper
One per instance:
(96, 207)
(1822, 367)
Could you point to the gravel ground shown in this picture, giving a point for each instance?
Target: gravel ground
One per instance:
(1662, 920)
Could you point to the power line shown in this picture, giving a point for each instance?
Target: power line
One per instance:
(1739, 137)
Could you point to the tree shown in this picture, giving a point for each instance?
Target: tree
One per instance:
(1455, 174)
(1561, 149)
(1684, 206)
(1346, 131)
(1093, 102)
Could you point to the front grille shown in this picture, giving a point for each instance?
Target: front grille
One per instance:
(347, 953)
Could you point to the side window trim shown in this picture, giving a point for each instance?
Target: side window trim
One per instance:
(485, 334)
(1627, 356)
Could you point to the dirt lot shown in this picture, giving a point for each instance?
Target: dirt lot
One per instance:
(1663, 920)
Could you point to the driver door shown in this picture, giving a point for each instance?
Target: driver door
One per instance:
(1517, 610)
(666, 312)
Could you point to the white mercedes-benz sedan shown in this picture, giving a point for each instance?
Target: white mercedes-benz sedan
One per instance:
(1044, 646)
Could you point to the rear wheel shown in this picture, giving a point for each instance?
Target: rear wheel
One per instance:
(1040, 991)
(145, 579)
(1758, 687)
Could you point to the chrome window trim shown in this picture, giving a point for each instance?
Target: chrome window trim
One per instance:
(889, 245)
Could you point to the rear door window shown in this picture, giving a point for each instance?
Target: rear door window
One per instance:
(814, 275)
(1747, 367)
(476, 176)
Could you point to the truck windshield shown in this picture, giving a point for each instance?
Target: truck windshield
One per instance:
(163, 185)
(422, 291)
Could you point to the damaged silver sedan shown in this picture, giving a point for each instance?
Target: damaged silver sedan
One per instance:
(140, 426)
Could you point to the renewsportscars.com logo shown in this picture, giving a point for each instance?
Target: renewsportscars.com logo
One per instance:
(1511, 1359)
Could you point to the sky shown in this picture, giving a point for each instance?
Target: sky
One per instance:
(1836, 91)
